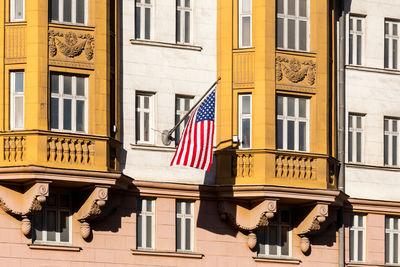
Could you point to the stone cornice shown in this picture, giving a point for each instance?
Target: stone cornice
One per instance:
(372, 206)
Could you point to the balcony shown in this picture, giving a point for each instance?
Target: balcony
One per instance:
(274, 167)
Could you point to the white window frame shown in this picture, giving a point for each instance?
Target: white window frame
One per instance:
(143, 5)
(242, 116)
(183, 217)
(142, 211)
(279, 224)
(61, 96)
(13, 96)
(58, 209)
(12, 11)
(296, 118)
(354, 130)
(390, 231)
(297, 18)
(241, 16)
(73, 13)
(141, 111)
(357, 231)
(354, 32)
(391, 37)
(183, 9)
(180, 112)
(390, 133)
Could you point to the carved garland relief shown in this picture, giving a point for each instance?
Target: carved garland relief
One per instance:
(295, 70)
(73, 44)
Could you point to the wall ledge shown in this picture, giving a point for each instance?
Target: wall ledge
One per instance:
(54, 247)
(175, 254)
(360, 264)
(167, 45)
(277, 260)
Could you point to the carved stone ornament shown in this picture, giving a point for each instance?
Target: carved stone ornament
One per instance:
(311, 225)
(247, 220)
(91, 209)
(73, 44)
(24, 204)
(295, 70)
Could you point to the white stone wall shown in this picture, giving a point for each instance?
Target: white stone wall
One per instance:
(373, 91)
(164, 72)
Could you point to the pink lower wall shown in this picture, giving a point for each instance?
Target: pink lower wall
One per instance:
(115, 235)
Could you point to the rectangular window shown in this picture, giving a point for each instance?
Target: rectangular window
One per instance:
(17, 10)
(53, 224)
(245, 23)
(355, 138)
(17, 100)
(182, 106)
(392, 245)
(356, 40)
(69, 11)
(391, 44)
(292, 124)
(184, 16)
(68, 105)
(144, 118)
(357, 238)
(390, 140)
(275, 239)
(145, 224)
(143, 12)
(245, 120)
(292, 25)
(184, 225)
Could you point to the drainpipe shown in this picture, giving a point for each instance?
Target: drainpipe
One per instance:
(341, 121)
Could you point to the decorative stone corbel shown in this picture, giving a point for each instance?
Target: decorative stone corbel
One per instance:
(247, 219)
(91, 209)
(311, 225)
(24, 203)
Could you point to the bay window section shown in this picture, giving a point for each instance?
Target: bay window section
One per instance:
(245, 23)
(17, 100)
(69, 11)
(245, 121)
(68, 104)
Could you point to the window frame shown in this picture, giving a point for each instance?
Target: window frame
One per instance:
(74, 98)
(297, 18)
(73, 13)
(183, 216)
(182, 27)
(241, 15)
(286, 118)
(13, 96)
(12, 11)
(390, 232)
(279, 225)
(390, 133)
(388, 63)
(181, 112)
(242, 116)
(142, 5)
(353, 251)
(142, 110)
(58, 209)
(353, 158)
(352, 58)
(141, 211)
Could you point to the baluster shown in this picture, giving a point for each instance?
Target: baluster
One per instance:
(59, 150)
(78, 151)
(12, 149)
(19, 148)
(302, 168)
(290, 165)
(278, 166)
(7, 148)
(308, 169)
(85, 152)
(234, 165)
(65, 146)
(72, 151)
(91, 153)
(251, 165)
(52, 146)
(285, 167)
(296, 173)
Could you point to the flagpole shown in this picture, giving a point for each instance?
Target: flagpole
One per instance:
(166, 135)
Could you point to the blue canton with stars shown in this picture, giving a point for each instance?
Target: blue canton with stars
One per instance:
(206, 110)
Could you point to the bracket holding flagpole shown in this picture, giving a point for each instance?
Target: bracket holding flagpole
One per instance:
(166, 135)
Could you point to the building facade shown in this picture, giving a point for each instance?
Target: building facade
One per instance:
(372, 112)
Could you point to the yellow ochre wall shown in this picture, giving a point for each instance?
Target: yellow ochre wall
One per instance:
(26, 46)
(255, 70)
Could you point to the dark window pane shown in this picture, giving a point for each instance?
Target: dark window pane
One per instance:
(54, 83)
(351, 247)
(67, 114)
(290, 105)
(302, 136)
(147, 23)
(80, 11)
(187, 104)
(350, 49)
(386, 53)
(394, 54)
(285, 241)
(188, 208)
(290, 135)
(291, 34)
(149, 205)
(67, 85)
(395, 29)
(279, 134)
(178, 233)
(280, 6)
(187, 3)
(51, 225)
(80, 115)
(386, 125)
(178, 26)
(179, 207)
(359, 24)
(273, 240)
(351, 23)
(261, 240)
(360, 245)
(137, 22)
(246, 104)
(395, 248)
(38, 226)
(149, 231)
(394, 125)
(54, 113)
(146, 101)
(64, 201)
(64, 226)
(246, 133)
(303, 8)
(359, 49)
(19, 81)
(387, 248)
(178, 130)
(360, 220)
(246, 29)
(279, 33)
(291, 7)
(285, 216)
(359, 126)
(187, 27)
(146, 130)
(280, 105)
(386, 28)
(394, 150)
(303, 35)
(80, 86)
(302, 108)
(54, 9)
(350, 147)
(67, 11)
(187, 235)
(358, 147)
(139, 231)
(137, 125)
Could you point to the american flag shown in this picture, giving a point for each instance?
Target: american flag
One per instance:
(195, 148)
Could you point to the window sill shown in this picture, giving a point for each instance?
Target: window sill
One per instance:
(277, 260)
(16, 23)
(373, 167)
(167, 254)
(54, 247)
(167, 45)
(71, 26)
(295, 52)
(372, 69)
(360, 264)
(152, 148)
